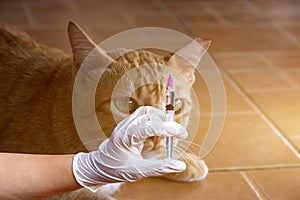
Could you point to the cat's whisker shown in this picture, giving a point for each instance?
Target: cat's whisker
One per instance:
(188, 144)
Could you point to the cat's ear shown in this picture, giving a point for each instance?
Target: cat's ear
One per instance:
(187, 58)
(82, 45)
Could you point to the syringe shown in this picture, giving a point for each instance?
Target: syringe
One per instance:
(170, 103)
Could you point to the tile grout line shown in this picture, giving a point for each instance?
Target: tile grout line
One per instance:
(253, 8)
(254, 186)
(246, 70)
(274, 167)
(217, 15)
(261, 114)
(242, 53)
(30, 17)
(277, 89)
(72, 5)
(167, 11)
(231, 113)
(269, 66)
(286, 34)
(284, 76)
(279, 71)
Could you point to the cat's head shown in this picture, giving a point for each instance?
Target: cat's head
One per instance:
(137, 78)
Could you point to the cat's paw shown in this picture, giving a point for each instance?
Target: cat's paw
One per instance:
(109, 189)
(196, 170)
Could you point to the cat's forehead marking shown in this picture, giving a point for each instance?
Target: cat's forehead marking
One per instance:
(149, 79)
(141, 76)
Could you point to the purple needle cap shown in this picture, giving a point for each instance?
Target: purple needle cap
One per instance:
(170, 81)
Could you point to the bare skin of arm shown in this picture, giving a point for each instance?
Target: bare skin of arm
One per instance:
(28, 176)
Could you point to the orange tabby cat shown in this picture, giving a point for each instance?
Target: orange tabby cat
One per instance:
(36, 97)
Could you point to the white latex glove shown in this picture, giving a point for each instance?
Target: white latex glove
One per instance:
(119, 157)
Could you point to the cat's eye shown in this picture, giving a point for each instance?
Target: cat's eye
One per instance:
(125, 104)
(178, 105)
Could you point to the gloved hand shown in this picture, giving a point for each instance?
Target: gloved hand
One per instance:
(119, 157)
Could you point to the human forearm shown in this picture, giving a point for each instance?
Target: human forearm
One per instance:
(27, 176)
(118, 159)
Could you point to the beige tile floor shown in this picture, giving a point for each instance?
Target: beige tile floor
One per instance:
(257, 47)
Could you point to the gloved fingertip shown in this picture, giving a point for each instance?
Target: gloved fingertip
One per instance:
(141, 109)
(178, 130)
(174, 166)
(178, 165)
